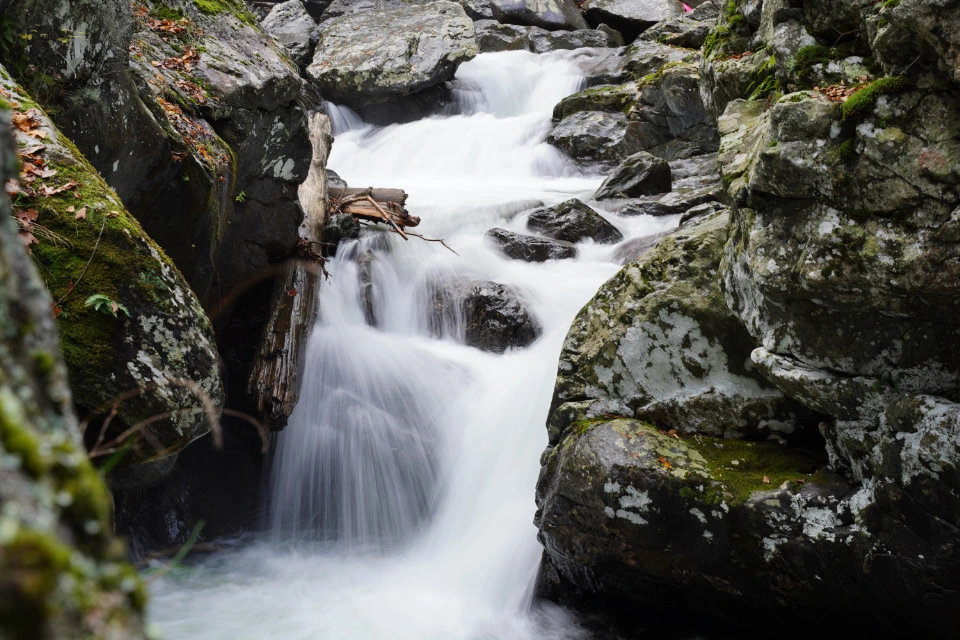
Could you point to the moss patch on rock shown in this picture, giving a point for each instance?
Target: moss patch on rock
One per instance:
(859, 105)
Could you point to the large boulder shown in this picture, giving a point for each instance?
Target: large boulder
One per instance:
(834, 226)
(573, 221)
(631, 514)
(658, 343)
(595, 138)
(62, 572)
(546, 14)
(132, 330)
(216, 139)
(494, 36)
(290, 23)
(376, 55)
(485, 315)
(531, 248)
(630, 17)
(641, 174)
(609, 98)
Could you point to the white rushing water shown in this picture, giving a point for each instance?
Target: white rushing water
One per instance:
(400, 496)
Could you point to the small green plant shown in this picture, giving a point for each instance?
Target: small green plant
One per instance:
(765, 81)
(105, 305)
(848, 149)
(241, 197)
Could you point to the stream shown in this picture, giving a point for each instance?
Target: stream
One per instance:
(399, 500)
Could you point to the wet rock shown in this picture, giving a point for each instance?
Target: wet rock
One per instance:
(608, 98)
(494, 36)
(643, 58)
(410, 49)
(58, 544)
(639, 175)
(290, 23)
(672, 203)
(339, 227)
(632, 250)
(630, 17)
(334, 180)
(546, 14)
(658, 343)
(669, 118)
(542, 41)
(128, 320)
(485, 315)
(531, 248)
(573, 221)
(595, 137)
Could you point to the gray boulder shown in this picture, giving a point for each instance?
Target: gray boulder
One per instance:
(573, 221)
(495, 36)
(630, 17)
(290, 23)
(485, 315)
(546, 14)
(477, 9)
(639, 175)
(530, 248)
(596, 138)
(658, 343)
(542, 41)
(403, 51)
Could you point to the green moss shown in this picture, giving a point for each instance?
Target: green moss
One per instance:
(217, 7)
(807, 57)
(17, 438)
(861, 103)
(848, 149)
(163, 12)
(738, 467)
(580, 427)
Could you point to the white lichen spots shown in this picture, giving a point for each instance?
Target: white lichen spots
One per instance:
(634, 499)
(819, 524)
(770, 545)
(283, 169)
(630, 517)
(609, 511)
(707, 536)
(92, 527)
(611, 487)
(699, 515)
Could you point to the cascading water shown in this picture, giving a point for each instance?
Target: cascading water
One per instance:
(400, 497)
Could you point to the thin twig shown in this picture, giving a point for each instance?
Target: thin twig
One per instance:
(440, 240)
(86, 266)
(387, 217)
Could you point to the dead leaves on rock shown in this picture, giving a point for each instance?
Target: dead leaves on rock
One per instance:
(838, 92)
(184, 62)
(29, 123)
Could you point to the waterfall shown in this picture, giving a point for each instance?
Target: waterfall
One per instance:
(400, 497)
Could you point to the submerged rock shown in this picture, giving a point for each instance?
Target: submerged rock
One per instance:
(531, 248)
(639, 175)
(573, 221)
(485, 315)
(546, 14)
(404, 50)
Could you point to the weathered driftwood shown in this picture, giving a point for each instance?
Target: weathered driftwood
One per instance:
(398, 196)
(274, 380)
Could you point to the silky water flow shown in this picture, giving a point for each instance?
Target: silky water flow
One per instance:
(399, 502)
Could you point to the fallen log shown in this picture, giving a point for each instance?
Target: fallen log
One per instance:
(398, 196)
(371, 210)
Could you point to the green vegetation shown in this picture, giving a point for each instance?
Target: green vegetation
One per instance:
(732, 24)
(858, 105)
(764, 80)
(848, 149)
(163, 12)
(217, 7)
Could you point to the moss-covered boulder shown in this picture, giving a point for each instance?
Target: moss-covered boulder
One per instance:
(636, 516)
(62, 574)
(658, 343)
(189, 111)
(132, 330)
(611, 98)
